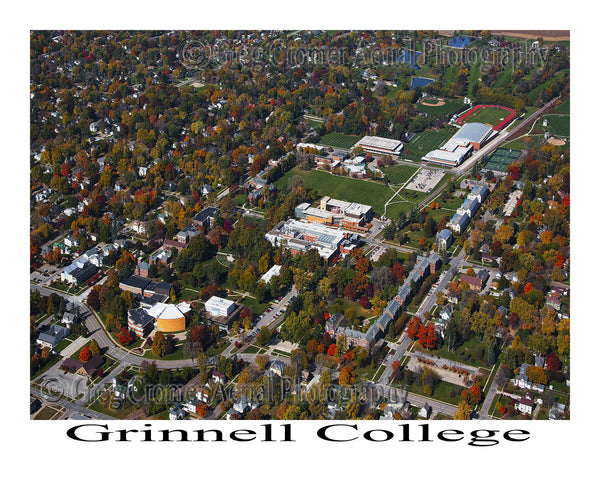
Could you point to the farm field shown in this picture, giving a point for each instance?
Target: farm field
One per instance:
(339, 140)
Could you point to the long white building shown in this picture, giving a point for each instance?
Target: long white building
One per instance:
(380, 145)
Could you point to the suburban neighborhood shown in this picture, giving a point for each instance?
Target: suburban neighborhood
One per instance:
(307, 240)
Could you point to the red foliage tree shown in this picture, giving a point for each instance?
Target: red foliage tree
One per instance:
(553, 363)
(528, 288)
(331, 350)
(413, 327)
(125, 336)
(350, 291)
(364, 302)
(84, 354)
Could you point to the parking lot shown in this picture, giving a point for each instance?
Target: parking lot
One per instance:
(425, 180)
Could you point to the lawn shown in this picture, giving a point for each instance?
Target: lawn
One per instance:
(502, 79)
(339, 140)
(564, 107)
(425, 142)
(399, 174)
(342, 188)
(559, 125)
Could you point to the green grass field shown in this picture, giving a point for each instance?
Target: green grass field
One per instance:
(342, 188)
(399, 174)
(502, 79)
(425, 142)
(488, 115)
(450, 107)
(564, 107)
(559, 125)
(339, 140)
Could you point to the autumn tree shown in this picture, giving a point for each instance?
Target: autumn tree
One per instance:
(159, 345)
(84, 354)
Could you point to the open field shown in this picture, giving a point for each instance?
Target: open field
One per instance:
(339, 140)
(450, 107)
(399, 174)
(342, 188)
(425, 142)
(488, 115)
(559, 125)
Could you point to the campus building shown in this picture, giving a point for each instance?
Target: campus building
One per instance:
(348, 215)
(471, 136)
(162, 316)
(380, 145)
(300, 236)
(222, 312)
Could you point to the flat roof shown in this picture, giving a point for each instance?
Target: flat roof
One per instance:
(380, 143)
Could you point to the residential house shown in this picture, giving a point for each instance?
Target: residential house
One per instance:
(277, 367)
(425, 411)
(121, 391)
(525, 405)
(553, 300)
(474, 283)
(52, 336)
(176, 412)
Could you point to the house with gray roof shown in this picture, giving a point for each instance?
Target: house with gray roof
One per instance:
(52, 336)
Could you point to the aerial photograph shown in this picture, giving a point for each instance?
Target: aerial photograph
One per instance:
(276, 225)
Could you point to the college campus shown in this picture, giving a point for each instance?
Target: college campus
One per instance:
(217, 241)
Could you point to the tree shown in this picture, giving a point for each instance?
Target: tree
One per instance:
(261, 361)
(464, 411)
(264, 336)
(125, 336)
(412, 329)
(84, 354)
(93, 347)
(345, 378)
(553, 363)
(159, 345)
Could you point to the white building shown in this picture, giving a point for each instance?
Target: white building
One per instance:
(219, 307)
(273, 272)
(380, 145)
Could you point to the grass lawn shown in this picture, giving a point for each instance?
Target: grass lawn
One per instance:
(257, 308)
(559, 125)
(425, 142)
(473, 79)
(464, 354)
(564, 107)
(342, 188)
(255, 349)
(443, 392)
(502, 79)
(339, 140)
(399, 174)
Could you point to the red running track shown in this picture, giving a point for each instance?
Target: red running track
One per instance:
(499, 126)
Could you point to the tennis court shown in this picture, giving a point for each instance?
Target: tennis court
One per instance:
(502, 158)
